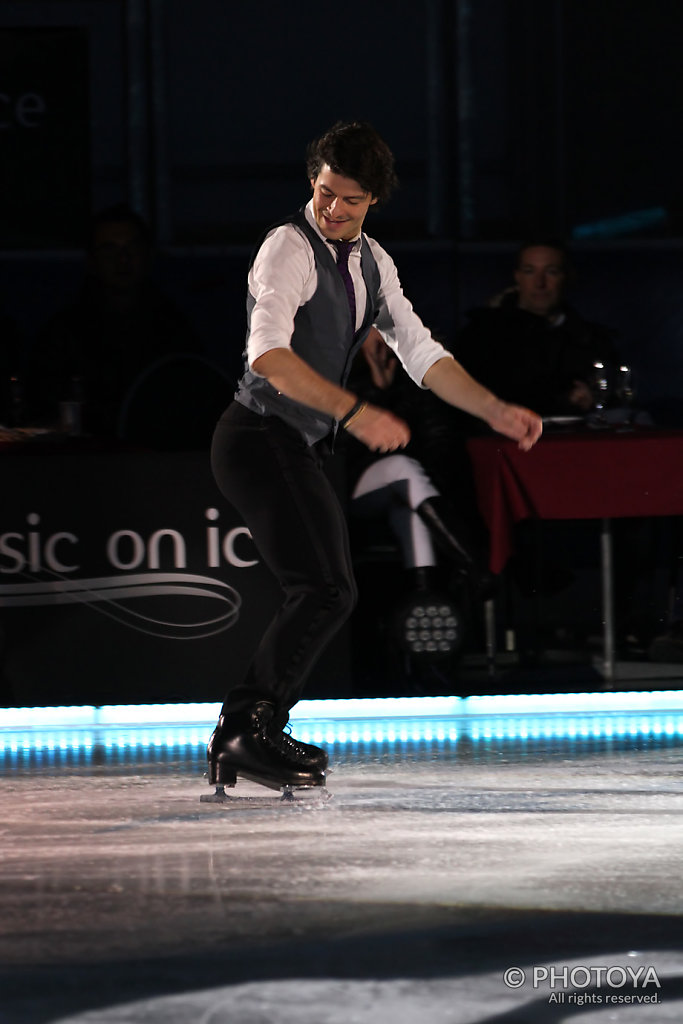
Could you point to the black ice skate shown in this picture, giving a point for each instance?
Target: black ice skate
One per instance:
(249, 746)
(306, 753)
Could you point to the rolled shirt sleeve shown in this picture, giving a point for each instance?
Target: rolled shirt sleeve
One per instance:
(399, 324)
(281, 280)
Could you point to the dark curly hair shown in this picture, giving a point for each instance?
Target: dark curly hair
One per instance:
(355, 150)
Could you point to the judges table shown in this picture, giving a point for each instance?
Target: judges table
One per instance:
(601, 474)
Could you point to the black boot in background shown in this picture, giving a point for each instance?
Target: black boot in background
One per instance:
(451, 539)
(447, 533)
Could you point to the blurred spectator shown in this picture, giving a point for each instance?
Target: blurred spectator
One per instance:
(95, 351)
(530, 346)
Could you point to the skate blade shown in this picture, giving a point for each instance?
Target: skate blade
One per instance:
(302, 794)
(219, 797)
(290, 795)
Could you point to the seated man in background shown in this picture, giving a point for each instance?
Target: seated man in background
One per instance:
(530, 346)
(95, 350)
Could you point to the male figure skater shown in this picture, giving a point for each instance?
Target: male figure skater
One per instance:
(316, 286)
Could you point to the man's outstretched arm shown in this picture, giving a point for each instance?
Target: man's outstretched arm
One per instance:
(452, 383)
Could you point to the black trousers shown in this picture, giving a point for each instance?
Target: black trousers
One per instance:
(276, 482)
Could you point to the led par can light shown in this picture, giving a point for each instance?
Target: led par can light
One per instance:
(429, 625)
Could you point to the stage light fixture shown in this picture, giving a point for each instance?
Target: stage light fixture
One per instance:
(429, 625)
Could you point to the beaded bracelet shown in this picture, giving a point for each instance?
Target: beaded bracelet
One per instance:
(353, 413)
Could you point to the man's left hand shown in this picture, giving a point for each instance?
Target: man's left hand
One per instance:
(522, 425)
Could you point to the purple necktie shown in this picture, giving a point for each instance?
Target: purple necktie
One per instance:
(343, 250)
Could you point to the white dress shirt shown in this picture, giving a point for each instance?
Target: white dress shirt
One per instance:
(284, 277)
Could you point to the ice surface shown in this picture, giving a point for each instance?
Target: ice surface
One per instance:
(404, 898)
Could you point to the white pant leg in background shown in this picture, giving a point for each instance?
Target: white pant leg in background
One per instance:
(394, 487)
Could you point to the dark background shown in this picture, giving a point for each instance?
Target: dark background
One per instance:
(508, 118)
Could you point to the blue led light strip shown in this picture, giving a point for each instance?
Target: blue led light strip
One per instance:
(353, 709)
(393, 721)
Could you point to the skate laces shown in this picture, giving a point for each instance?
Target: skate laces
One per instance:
(280, 741)
(286, 744)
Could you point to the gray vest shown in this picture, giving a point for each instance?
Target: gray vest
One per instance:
(323, 336)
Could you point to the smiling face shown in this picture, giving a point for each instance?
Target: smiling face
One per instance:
(339, 205)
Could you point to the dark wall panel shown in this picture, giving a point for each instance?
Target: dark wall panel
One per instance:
(44, 137)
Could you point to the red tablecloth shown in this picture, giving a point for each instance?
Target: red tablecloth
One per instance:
(590, 475)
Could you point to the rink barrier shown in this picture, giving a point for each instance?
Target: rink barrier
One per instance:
(431, 726)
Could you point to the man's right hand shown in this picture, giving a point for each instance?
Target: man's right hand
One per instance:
(380, 430)
(381, 361)
(581, 396)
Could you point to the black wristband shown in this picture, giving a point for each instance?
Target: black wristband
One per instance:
(352, 413)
